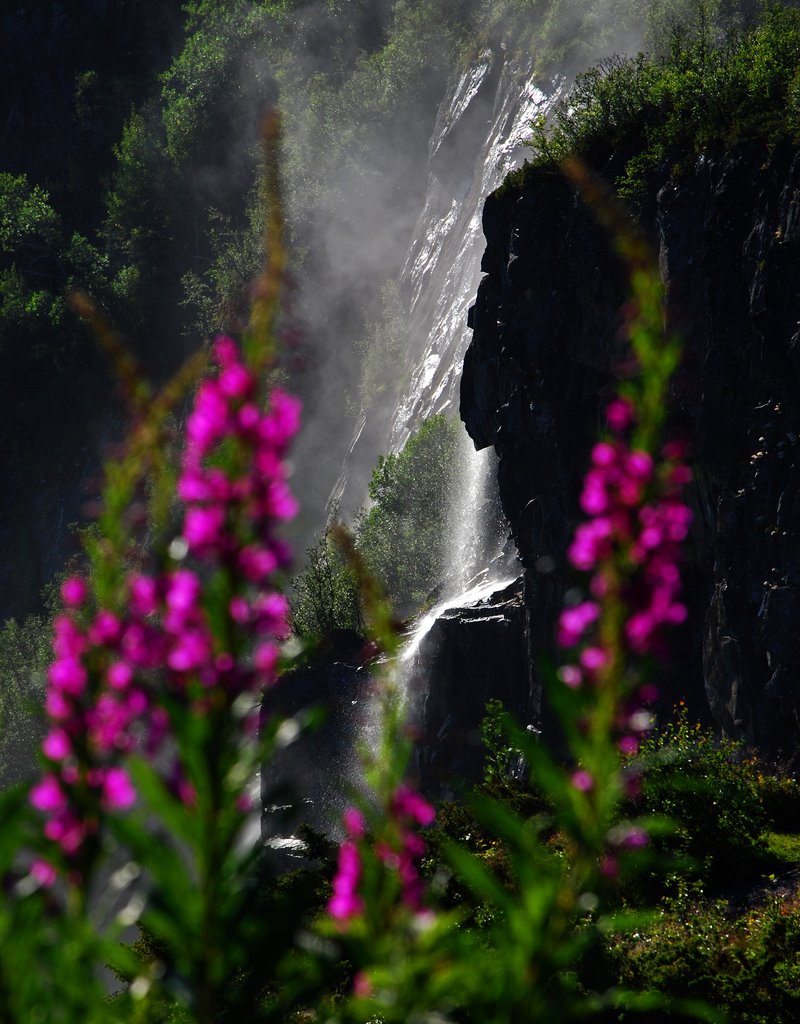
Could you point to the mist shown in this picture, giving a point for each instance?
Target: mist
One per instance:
(368, 171)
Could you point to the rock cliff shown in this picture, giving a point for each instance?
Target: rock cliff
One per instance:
(542, 362)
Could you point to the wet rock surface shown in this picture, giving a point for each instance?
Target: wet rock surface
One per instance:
(307, 779)
(470, 655)
(544, 359)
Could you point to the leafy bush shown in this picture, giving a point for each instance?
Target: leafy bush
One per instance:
(402, 536)
(710, 790)
(780, 797)
(325, 597)
(40, 263)
(706, 91)
(741, 960)
(25, 652)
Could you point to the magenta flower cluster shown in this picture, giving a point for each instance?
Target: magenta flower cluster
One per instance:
(637, 518)
(112, 667)
(400, 852)
(630, 543)
(346, 902)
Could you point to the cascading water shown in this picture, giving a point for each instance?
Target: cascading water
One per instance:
(479, 136)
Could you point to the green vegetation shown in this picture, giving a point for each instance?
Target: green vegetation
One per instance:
(709, 90)
(40, 263)
(325, 596)
(742, 960)
(400, 537)
(25, 653)
(726, 927)
(712, 791)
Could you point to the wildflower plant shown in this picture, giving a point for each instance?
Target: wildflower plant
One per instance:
(162, 650)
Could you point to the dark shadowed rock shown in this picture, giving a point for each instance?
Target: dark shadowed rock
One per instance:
(543, 363)
(307, 780)
(470, 655)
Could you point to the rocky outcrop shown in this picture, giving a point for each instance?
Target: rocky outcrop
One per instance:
(471, 653)
(306, 780)
(543, 360)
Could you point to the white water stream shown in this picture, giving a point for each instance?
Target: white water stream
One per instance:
(479, 137)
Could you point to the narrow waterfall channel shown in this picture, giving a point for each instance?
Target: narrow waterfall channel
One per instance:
(479, 136)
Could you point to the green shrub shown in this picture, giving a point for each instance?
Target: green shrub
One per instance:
(745, 964)
(780, 797)
(24, 655)
(709, 89)
(709, 788)
(402, 536)
(324, 597)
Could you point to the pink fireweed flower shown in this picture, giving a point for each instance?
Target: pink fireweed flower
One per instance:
(226, 351)
(48, 795)
(574, 622)
(630, 541)
(74, 592)
(593, 659)
(271, 613)
(604, 455)
(235, 381)
(265, 659)
(239, 610)
(620, 414)
(570, 675)
(206, 424)
(56, 745)
(582, 781)
(105, 629)
(57, 706)
(68, 640)
(283, 421)
(636, 839)
(203, 527)
(362, 986)
(183, 591)
(118, 791)
(44, 872)
(257, 563)
(119, 675)
(345, 903)
(104, 682)
(406, 802)
(68, 676)
(143, 595)
(191, 650)
(354, 823)
(67, 831)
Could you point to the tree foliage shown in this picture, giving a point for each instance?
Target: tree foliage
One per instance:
(24, 655)
(401, 537)
(713, 87)
(403, 534)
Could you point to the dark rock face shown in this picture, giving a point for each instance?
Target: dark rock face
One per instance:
(470, 655)
(542, 364)
(307, 779)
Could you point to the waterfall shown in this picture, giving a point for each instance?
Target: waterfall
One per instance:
(479, 136)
